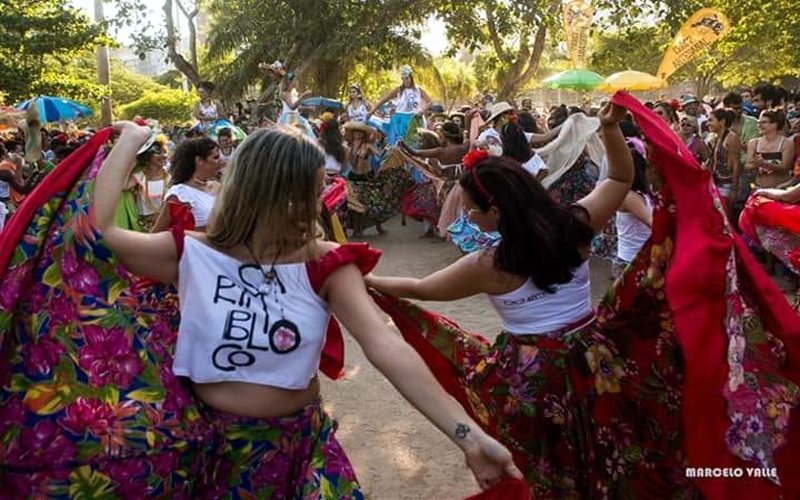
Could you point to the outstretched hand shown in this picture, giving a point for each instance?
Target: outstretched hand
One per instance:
(612, 114)
(490, 462)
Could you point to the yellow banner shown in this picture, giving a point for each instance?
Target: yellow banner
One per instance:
(705, 27)
(577, 25)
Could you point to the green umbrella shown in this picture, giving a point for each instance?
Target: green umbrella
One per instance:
(575, 79)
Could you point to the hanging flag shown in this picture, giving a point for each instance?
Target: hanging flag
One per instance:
(577, 24)
(705, 27)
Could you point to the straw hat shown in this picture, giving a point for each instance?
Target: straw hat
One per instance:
(498, 109)
(351, 127)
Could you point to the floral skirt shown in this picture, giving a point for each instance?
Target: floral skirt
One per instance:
(378, 199)
(576, 183)
(591, 411)
(421, 202)
(296, 457)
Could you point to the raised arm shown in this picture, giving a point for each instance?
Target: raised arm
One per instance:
(383, 100)
(151, 255)
(403, 367)
(604, 200)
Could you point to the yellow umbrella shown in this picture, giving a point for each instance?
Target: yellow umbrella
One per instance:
(631, 80)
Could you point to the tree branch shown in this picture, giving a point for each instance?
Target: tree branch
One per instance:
(494, 36)
(177, 59)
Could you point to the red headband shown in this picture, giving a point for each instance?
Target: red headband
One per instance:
(469, 162)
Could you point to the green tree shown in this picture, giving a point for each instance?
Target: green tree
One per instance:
(37, 41)
(639, 48)
(169, 107)
(448, 81)
(514, 32)
(321, 41)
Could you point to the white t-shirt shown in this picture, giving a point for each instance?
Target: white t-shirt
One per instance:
(238, 325)
(151, 194)
(332, 165)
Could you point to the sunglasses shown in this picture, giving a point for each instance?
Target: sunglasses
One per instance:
(687, 124)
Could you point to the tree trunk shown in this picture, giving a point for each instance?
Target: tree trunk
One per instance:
(103, 72)
(180, 62)
(190, 17)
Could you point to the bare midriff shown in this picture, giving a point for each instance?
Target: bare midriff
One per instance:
(254, 400)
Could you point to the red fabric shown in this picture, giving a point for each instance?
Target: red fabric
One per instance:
(365, 258)
(696, 293)
(335, 193)
(178, 234)
(180, 215)
(760, 211)
(65, 175)
(509, 489)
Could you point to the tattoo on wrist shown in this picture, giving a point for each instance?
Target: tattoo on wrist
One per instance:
(461, 431)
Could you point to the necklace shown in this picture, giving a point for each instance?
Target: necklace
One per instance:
(269, 276)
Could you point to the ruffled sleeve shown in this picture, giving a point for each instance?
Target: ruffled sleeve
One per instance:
(365, 258)
(180, 215)
(360, 254)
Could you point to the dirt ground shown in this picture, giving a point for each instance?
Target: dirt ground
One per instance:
(397, 454)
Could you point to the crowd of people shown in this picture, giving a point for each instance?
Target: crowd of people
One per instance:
(168, 300)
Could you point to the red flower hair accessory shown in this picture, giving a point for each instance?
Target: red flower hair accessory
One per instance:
(468, 164)
(473, 158)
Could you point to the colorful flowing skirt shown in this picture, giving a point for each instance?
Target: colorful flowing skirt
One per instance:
(404, 126)
(691, 361)
(377, 199)
(604, 244)
(421, 202)
(774, 227)
(295, 457)
(589, 411)
(89, 405)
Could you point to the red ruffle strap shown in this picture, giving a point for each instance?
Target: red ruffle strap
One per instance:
(180, 215)
(365, 258)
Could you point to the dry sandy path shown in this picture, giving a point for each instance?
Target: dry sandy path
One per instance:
(397, 454)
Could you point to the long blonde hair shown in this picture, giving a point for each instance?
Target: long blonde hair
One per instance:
(269, 199)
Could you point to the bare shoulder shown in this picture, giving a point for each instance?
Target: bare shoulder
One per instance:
(324, 246)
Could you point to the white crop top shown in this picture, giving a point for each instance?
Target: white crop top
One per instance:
(200, 202)
(408, 100)
(530, 311)
(632, 234)
(236, 325)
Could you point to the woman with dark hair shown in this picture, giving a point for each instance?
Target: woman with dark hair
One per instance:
(772, 154)
(194, 169)
(516, 145)
(357, 107)
(290, 101)
(412, 103)
(207, 110)
(330, 138)
(551, 386)
(528, 123)
(634, 218)
(443, 166)
(558, 115)
(724, 162)
(667, 113)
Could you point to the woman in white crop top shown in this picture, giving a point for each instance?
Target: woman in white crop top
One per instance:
(634, 219)
(551, 381)
(256, 292)
(194, 168)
